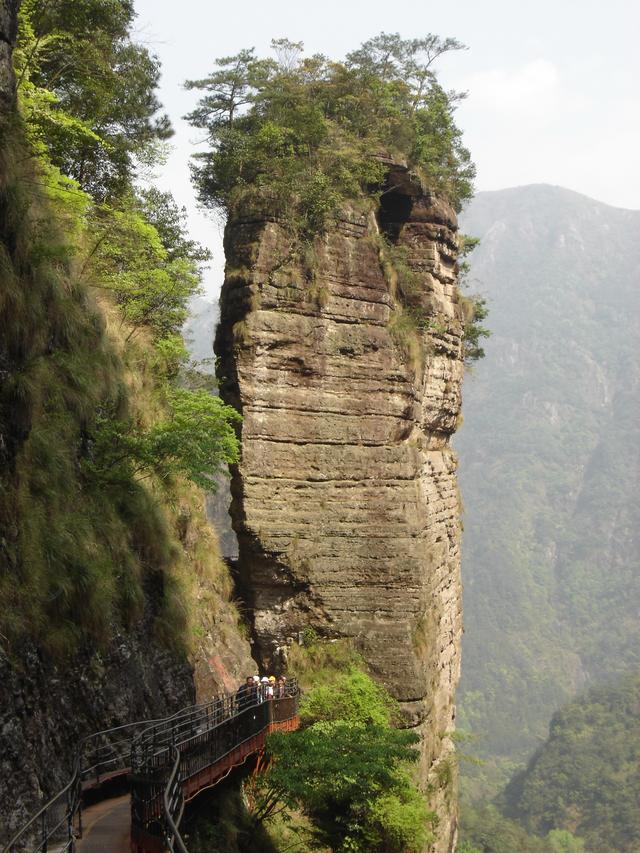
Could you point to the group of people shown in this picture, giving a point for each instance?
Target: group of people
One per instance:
(256, 689)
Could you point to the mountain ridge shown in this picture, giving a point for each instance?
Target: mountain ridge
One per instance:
(545, 187)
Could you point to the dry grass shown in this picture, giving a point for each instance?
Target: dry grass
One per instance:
(80, 557)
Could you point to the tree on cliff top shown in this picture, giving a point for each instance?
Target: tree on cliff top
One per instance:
(308, 128)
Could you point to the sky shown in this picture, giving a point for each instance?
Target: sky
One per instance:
(553, 85)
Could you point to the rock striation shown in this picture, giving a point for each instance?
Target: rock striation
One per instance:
(345, 502)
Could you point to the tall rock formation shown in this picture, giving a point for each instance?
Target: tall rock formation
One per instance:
(345, 503)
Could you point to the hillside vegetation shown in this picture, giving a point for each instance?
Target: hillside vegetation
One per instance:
(99, 437)
(586, 776)
(550, 462)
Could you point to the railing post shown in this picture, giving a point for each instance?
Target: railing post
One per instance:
(79, 796)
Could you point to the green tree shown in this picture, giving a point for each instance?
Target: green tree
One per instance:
(349, 769)
(170, 221)
(195, 441)
(152, 274)
(474, 307)
(562, 841)
(89, 91)
(228, 89)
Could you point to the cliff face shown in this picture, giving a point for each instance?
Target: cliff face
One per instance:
(47, 705)
(47, 709)
(345, 503)
(8, 33)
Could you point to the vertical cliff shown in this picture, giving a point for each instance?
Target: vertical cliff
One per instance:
(345, 502)
(8, 33)
(79, 665)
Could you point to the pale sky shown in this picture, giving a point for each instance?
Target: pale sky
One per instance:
(554, 85)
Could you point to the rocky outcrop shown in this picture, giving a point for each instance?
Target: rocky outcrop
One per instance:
(8, 34)
(47, 709)
(345, 503)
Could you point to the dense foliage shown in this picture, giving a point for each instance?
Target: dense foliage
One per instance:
(307, 130)
(83, 249)
(485, 830)
(89, 91)
(304, 135)
(348, 768)
(194, 440)
(586, 777)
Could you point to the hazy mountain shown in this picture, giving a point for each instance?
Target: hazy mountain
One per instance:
(550, 459)
(586, 776)
(199, 331)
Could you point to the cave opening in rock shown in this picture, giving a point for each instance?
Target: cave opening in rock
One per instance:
(395, 209)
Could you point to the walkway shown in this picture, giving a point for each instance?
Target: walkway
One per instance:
(106, 827)
(167, 762)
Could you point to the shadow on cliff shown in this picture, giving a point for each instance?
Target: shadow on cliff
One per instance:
(218, 820)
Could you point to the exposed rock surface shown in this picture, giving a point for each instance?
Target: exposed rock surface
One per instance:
(345, 502)
(8, 33)
(46, 710)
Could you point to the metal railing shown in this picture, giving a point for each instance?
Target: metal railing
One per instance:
(59, 821)
(166, 756)
(174, 807)
(53, 824)
(161, 754)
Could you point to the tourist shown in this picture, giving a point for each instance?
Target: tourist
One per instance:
(255, 690)
(244, 693)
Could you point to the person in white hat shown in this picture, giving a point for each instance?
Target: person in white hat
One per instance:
(266, 689)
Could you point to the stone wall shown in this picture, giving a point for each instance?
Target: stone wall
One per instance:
(345, 503)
